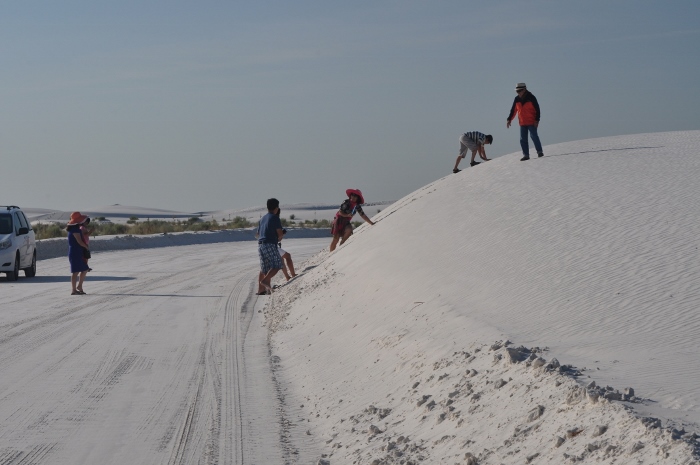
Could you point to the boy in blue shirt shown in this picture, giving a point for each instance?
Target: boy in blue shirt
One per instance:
(269, 234)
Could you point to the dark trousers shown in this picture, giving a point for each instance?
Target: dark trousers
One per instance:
(535, 139)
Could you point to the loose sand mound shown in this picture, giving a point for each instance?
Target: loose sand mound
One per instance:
(589, 255)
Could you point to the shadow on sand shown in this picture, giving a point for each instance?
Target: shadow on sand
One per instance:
(66, 279)
(160, 295)
(603, 150)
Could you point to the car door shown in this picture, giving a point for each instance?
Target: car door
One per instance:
(31, 242)
(22, 240)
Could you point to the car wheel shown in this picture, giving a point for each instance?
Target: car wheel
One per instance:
(14, 275)
(31, 271)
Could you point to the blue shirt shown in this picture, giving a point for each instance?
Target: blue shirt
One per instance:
(73, 247)
(267, 229)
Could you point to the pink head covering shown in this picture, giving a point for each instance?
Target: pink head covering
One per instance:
(356, 192)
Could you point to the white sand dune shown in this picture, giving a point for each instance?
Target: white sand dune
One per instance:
(590, 253)
(124, 210)
(584, 265)
(116, 213)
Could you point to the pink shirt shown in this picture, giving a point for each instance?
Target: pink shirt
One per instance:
(85, 233)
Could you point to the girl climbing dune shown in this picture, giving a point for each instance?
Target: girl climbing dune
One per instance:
(341, 227)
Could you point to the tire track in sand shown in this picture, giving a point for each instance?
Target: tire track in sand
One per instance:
(208, 428)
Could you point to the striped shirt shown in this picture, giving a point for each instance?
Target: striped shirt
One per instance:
(476, 136)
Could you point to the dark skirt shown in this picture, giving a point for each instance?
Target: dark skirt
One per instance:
(339, 224)
(77, 262)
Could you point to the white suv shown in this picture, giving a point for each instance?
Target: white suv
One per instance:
(17, 244)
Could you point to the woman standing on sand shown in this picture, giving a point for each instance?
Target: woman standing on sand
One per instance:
(341, 223)
(77, 249)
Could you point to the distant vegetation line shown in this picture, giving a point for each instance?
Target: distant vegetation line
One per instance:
(100, 227)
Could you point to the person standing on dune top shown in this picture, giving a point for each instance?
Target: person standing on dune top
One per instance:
(528, 110)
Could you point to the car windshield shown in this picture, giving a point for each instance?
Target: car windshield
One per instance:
(5, 223)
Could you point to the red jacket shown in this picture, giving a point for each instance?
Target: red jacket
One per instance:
(527, 108)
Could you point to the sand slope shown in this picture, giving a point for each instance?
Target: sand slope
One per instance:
(387, 345)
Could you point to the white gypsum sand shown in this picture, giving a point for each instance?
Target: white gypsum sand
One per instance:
(164, 361)
(386, 347)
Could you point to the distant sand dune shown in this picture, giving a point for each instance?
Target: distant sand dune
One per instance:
(121, 213)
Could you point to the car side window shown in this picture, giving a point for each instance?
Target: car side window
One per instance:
(18, 223)
(5, 224)
(24, 221)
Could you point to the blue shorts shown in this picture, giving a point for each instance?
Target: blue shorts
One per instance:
(269, 257)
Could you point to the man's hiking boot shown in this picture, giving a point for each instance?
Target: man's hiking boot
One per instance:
(525, 158)
(474, 163)
(540, 154)
(456, 170)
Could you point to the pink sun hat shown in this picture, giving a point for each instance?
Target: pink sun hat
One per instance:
(356, 192)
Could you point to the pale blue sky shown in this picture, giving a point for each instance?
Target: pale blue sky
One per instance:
(221, 104)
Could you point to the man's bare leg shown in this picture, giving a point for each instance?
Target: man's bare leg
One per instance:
(288, 260)
(267, 279)
(284, 270)
(261, 289)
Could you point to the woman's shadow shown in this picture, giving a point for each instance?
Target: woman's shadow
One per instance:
(66, 279)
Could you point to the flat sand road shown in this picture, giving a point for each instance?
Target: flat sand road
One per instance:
(165, 361)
